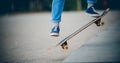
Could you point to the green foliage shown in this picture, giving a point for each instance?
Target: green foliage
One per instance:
(70, 5)
(7, 6)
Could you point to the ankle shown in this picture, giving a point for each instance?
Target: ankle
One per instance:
(55, 23)
(90, 5)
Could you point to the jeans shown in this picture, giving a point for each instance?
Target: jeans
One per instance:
(57, 8)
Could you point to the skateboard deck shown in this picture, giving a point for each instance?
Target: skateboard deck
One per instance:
(97, 21)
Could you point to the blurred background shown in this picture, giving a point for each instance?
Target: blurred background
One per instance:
(12, 6)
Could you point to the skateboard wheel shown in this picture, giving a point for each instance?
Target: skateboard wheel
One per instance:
(101, 23)
(65, 47)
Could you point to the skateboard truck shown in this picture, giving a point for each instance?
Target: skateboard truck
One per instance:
(64, 45)
(99, 23)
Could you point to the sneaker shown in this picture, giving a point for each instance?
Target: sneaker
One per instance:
(91, 11)
(55, 31)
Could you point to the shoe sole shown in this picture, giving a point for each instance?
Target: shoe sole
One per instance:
(54, 34)
(93, 15)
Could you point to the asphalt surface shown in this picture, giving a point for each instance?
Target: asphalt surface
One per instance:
(24, 38)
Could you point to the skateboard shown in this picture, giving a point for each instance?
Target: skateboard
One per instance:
(97, 21)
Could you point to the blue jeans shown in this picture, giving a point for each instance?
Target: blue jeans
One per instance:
(57, 8)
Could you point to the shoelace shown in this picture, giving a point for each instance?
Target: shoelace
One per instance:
(55, 28)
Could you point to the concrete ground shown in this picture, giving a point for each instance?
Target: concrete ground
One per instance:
(24, 38)
(102, 48)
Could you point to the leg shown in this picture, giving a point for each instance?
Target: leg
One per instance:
(91, 1)
(57, 8)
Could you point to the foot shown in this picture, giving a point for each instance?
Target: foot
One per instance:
(91, 12)
(55, 31)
